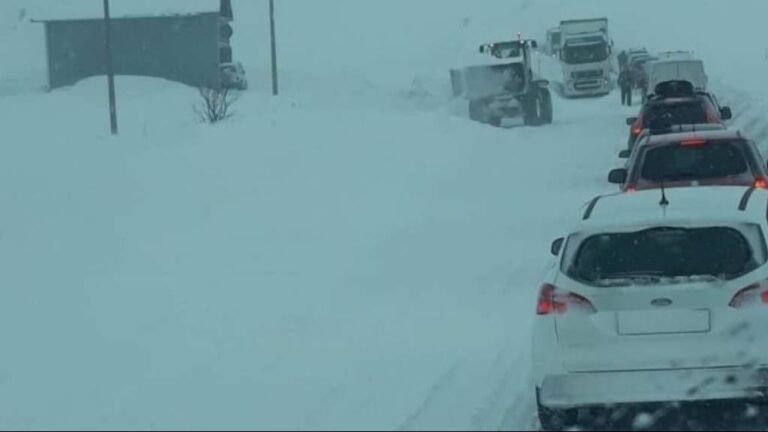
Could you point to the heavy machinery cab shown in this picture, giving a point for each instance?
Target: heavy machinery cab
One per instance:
(515, 66)
(505, 86)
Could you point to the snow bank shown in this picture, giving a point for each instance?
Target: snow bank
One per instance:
(90, 9)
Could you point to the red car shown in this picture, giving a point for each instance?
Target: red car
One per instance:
(703, 158)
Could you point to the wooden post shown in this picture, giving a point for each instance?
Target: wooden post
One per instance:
(110, 70)
(274, 46)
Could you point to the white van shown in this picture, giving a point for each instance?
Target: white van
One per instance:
(677, 68)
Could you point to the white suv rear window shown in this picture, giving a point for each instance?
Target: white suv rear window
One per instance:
(666, 252)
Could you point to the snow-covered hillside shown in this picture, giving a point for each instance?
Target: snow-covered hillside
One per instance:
(352, 254)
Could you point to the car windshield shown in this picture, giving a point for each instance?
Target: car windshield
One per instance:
(664, 114)
(668, 252)
(581, 54)
(700, 161)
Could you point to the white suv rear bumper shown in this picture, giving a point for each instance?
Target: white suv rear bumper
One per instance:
(608, 388)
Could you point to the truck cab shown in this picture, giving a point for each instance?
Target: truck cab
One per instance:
(586, 57)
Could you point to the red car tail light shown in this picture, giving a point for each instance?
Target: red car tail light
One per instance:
(693, 142)
(546, 303)
(760, 183)
(637, 126)
(554, 301)
(754, 294)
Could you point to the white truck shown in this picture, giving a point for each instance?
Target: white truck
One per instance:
(586, 57)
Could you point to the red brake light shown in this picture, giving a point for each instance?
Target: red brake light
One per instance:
(553, 301)
(637, 126)
(760, 183)
(755, 293)
(546, 302)
(693, 142)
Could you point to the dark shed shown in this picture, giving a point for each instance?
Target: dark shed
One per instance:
(180, 40)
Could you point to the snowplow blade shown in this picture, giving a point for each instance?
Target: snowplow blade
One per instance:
(476, 82)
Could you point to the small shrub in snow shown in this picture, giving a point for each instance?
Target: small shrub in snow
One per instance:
(216, 104)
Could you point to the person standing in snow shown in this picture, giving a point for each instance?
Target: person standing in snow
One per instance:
(623, 58)
(625, 83)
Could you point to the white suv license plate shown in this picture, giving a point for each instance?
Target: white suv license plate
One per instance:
(651, 322)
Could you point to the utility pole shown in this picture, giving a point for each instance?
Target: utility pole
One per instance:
(274, 46)
(110, 70)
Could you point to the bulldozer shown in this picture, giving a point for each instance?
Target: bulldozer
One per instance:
(505, 87)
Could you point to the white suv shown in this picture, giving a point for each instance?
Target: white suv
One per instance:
(655, 297)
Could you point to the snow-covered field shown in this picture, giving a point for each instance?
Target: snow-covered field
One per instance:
(352, 254)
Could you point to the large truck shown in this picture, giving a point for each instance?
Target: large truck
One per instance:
(586, 57)
(504, 85)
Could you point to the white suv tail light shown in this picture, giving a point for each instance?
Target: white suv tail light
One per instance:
(755, 294)
(555, 301)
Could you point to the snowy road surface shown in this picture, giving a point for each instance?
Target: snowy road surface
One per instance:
(353, 254)
(382, 273)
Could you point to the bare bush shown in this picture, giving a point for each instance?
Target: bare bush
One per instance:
(216, 104)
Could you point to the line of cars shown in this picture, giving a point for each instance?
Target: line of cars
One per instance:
(658, 295)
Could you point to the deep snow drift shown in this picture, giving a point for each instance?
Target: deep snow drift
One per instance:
(352, 254)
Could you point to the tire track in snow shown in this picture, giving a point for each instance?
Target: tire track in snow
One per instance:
(507, 406)
(521, 415)
(437, 389)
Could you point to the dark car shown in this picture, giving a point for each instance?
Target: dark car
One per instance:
(676, 106)
(705, 158)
